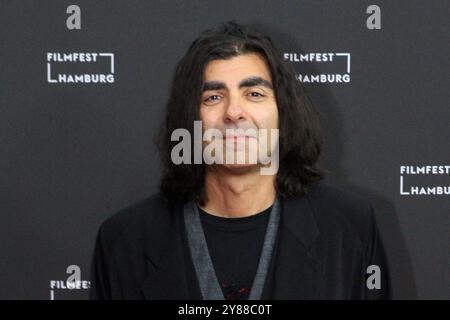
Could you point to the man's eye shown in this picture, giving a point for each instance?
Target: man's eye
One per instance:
(255, 94)
(212, 98)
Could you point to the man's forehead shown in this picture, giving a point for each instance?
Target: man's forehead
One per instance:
(246, 82)
(237, 68)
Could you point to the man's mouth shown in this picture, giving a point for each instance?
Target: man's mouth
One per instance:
(235, 137)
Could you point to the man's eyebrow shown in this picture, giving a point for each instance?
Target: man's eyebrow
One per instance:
(248, 82)
(255, 81)
(213, 85)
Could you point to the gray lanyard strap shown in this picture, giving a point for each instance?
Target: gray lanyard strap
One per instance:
(204, 269)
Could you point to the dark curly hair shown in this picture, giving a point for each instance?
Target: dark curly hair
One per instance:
(299, 132)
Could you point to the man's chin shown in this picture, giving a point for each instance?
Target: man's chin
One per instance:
(240, 168)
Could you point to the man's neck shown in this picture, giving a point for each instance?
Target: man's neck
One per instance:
(238, 194)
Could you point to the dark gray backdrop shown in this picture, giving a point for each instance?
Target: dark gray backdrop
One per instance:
(72, 154)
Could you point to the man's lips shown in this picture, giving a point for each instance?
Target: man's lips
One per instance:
(236, 137)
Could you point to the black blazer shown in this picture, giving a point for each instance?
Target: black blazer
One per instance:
(325, 243)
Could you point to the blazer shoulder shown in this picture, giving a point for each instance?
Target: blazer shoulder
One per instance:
(335, 207)
(133, 218)
(333, 196)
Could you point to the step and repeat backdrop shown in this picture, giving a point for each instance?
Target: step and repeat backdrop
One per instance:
(83, 85)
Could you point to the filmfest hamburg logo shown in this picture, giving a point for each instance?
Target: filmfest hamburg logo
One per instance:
(76, 61)
(73, 282)
(342, 76)
(441, 172)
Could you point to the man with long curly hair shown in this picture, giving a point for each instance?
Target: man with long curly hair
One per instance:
(223, 229)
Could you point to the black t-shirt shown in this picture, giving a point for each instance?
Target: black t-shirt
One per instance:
(235, 246)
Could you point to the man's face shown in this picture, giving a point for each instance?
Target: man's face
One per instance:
(237, 94)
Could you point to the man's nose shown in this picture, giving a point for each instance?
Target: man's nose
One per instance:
(234, 111)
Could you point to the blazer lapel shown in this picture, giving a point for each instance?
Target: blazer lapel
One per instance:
(167, 281)
(297, 271)
(165, 259)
